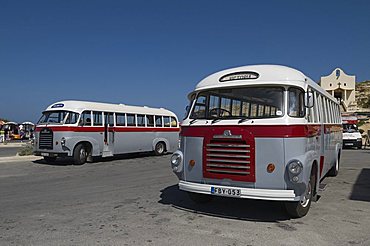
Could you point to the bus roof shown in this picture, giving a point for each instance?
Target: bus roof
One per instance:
(80, 106)
(257, 74)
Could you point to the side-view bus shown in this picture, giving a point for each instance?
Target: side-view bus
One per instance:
(260, 132)
(84, 130)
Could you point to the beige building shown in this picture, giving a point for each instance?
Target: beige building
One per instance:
(341, 86)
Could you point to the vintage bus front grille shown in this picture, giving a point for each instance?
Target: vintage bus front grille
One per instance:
(229, 158)
(46, 139)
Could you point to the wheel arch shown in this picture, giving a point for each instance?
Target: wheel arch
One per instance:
(165, 141)
(316, 170)
(90, 142)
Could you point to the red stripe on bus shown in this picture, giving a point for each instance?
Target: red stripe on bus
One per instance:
(272, 131)
(102, 129)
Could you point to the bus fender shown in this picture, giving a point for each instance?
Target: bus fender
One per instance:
(307, 160)
(76, 140)
(157, 140)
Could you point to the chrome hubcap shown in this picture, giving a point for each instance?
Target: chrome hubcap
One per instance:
(307, 196)
(82, 154)
(160, 148)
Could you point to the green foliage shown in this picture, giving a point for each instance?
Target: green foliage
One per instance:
(361, 122)
(27, 150)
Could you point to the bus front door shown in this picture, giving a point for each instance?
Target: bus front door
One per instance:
(108, 149)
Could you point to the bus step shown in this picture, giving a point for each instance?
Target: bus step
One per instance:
(107, 153)
(322, 187)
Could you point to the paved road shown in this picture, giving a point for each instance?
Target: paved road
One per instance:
(135, 201)
(8, 151)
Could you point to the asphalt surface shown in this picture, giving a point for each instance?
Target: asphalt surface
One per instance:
(8, 151)
(134, 200)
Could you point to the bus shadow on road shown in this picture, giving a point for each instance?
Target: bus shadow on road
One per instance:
(229, 208)
(68, 161)
(361, 188)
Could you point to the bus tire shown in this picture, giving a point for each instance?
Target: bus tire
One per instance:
(200, 198)
(334, 170)
(49, 159)
(300, 208)
(160, 148)
(80, 154)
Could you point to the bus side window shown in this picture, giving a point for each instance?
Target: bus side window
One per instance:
(166, 121)
(72, 118)
(120, 120)
(173, 122)
(199, 110)
(85, 118)
(140, 120)
(158, 121)
(149, 120)
(98, 118)
(131, 120)
(296, 107)
(109, 119)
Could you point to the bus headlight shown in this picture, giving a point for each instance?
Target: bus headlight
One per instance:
(176, 161)
(295, 167)
(63, 142)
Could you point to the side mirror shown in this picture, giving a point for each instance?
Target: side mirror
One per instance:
(308, 99)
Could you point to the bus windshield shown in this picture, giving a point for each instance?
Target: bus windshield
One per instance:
(350, 128)
(243, 102)
(58, 117)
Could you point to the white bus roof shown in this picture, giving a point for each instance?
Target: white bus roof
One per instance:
(80, 106)
(257, 74)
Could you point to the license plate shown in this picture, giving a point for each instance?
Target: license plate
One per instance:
(44, 154)
(349, 144)
(225, 191)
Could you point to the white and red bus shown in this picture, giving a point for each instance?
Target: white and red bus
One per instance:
(83, 130)
(261, 132)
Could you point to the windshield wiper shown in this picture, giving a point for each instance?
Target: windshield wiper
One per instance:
(216, 120)
(192, 121)
(243, 120)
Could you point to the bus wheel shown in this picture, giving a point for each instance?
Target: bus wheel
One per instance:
(359, 146)
(200, 198)
(79, 154)
(49, 159)
(160, 148)
(300, 209)
(333, 172)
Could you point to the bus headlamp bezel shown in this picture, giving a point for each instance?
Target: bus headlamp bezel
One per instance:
(295, 167)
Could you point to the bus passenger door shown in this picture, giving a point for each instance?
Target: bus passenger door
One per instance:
(108, 149)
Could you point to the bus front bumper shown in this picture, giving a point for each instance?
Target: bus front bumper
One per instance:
(251, 193)
(50, 154)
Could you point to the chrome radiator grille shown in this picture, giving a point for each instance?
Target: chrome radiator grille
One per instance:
(46, 139)
(228, 157)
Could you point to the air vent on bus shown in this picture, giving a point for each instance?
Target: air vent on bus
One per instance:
(46, 139)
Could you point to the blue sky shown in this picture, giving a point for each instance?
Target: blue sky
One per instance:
(155, 52)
